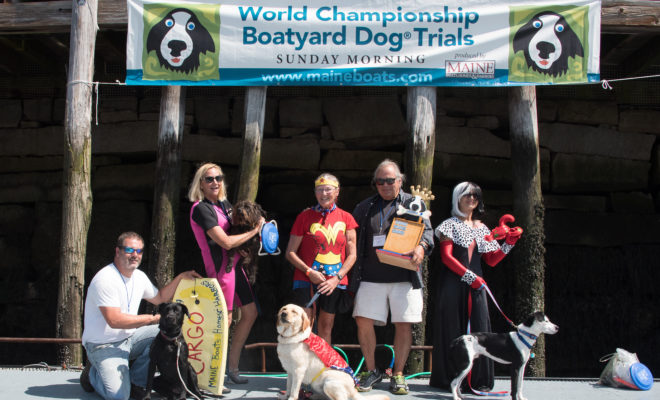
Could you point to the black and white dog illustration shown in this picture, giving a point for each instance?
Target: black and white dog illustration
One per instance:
(178, 40)
(511, 348)
(547, 42)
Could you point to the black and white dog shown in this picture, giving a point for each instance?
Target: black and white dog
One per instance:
(507, 348)
(179, 39)
(547, 42)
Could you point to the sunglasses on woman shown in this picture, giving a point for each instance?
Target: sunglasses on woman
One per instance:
(210, 179)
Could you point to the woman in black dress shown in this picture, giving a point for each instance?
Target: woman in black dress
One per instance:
(460, 283)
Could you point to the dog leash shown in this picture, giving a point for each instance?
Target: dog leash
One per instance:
(313, 300)
(469, 376)
(178, 352)
(490, 294)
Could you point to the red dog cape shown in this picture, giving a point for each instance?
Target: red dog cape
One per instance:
(327, 355)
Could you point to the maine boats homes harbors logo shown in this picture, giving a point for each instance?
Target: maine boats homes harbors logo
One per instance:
(470, 66)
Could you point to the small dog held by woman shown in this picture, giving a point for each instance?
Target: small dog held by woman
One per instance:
(245, 217)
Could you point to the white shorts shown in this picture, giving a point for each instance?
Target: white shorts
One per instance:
(375, 300)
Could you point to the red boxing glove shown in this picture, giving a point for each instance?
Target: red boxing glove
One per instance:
(513, 235)
(500, 232)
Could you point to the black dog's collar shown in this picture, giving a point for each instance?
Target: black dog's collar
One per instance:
(168, 338)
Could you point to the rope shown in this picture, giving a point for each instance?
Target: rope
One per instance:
(469, 375)
(605, 83)
(95, 85)
(178, 351)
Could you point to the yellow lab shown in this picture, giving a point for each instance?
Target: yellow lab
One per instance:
(303, 365)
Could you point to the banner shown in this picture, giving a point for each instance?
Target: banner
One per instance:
(362, 42)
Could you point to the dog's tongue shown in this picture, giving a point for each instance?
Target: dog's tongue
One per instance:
(542, 62)
(176, 60)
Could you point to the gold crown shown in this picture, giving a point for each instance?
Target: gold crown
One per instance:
(424, 193)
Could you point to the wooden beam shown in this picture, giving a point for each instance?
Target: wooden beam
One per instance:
(529, 253)
(253, 136)
(167, 184)
(420, 147)
(76, 187)
(55, 16)
(630, 16)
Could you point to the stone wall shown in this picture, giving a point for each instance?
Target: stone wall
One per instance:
(600, 169)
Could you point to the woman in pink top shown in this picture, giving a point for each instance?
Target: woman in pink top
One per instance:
(210, 219)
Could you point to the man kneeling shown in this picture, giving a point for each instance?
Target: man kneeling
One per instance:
(116, 338)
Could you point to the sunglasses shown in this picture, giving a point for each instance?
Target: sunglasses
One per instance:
(473, 195)
(382, 181)
(131, 250)
(324, 189)
(209, 179)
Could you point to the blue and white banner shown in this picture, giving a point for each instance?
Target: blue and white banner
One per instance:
(362, 42)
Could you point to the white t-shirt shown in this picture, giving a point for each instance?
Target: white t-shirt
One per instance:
(109, 288)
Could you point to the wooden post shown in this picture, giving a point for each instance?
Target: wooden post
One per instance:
(528, 255)
(255, 110)
(421, 141)
(421, 105)
(167, 183)
(76, 188)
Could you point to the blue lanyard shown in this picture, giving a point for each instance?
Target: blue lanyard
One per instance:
(224, 211)
(382, 216)
(128, 298)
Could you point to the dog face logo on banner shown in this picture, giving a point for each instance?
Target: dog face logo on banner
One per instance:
(546, 47)
(178, 39)
(547, 41)
(181, 43)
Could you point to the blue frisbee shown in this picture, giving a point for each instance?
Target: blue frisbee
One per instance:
(270, 238)
(641, 376)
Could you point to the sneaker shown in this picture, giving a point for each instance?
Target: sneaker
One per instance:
(84, 379)
(398, 384)
(226, 390)
(368, 379)
(235, 376)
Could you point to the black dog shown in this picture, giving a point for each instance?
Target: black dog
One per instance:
(507, 348)
(547, 42)
(178, 40)
(169, 352)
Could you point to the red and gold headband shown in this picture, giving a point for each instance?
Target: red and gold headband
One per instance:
(326, 181)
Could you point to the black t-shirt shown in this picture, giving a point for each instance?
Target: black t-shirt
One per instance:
(380, 219)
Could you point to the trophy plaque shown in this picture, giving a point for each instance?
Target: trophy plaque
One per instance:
(405, 233)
